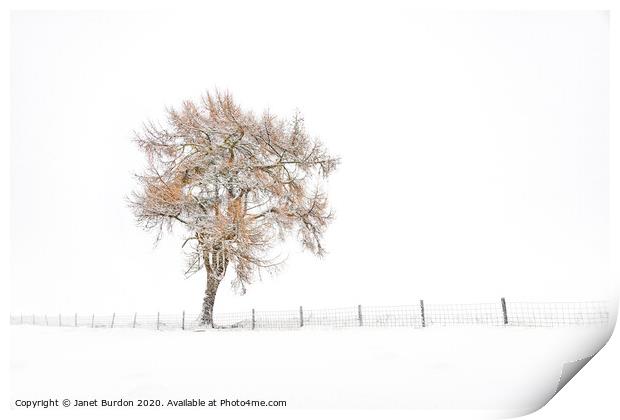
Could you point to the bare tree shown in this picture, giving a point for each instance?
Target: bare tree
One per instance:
(237, 184)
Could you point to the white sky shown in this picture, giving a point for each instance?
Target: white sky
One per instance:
(474, 150)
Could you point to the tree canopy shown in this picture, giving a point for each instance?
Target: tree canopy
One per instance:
(237, 183)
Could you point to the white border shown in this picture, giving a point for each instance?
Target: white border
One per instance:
(592, 394)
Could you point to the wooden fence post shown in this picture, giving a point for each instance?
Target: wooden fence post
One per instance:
(253, 319)
(183, 321)
(46, 321)
(92, 322)
(422, 313)
(33, 322)
(135, 315)
(505, 312)
(359, 315)
(75, 320)
(301, 316)
(60, 320)
(21, 318)
(158, 320)
(112, 323)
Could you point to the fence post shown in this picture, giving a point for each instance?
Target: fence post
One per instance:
(92, 322)
(21, 318)
(75, 321)
(359, 314)
(135, 314)
(158, 320)
(253, 319)
(422, 313)
(33, 322)
(183, 321)
(46, 321)
(112, 323)
(60, 320)
(301, 316)
(504, 311)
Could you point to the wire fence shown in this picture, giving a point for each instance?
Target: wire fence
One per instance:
(419, 315)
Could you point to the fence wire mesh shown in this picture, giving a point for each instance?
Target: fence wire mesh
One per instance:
(337, 317)
(501, 313)
(557, 313)
(464, 314)
(392, 316)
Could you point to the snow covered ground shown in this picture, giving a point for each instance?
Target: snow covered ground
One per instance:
(503, 370)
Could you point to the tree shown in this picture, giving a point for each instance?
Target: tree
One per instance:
(237, 184)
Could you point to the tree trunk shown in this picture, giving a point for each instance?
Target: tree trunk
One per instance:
(208, 302)
(215, 264)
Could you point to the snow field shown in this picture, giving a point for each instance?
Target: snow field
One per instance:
(502, 370)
